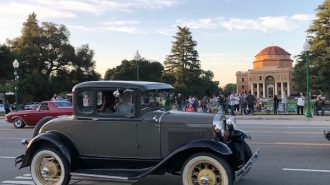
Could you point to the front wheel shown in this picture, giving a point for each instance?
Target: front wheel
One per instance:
(18, 123)
(208, 169)
(49, 167)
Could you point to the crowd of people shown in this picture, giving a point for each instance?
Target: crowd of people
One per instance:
(244, 104)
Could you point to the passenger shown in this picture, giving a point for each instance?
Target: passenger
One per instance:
(124, 106)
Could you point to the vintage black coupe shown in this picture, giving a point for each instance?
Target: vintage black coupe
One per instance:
(125, 130)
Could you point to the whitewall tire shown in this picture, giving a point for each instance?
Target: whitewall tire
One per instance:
(206, 169)
(49, 167)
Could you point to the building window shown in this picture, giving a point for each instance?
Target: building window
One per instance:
(255, 93)
(260, 77)
(242, 79)
(242, 86)
(255, 85)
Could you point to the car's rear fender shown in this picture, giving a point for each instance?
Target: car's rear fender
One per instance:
(51, 139)
(173, 162)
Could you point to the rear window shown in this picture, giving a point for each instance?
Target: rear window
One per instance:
(63, 104)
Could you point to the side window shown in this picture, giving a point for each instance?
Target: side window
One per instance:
(85, 102)
(44, 106)
(116, 102)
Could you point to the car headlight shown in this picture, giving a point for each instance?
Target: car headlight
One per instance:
(218, 123)
(231, 122)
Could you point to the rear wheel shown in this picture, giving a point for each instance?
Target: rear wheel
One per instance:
(49, 167)
(18, 123)
(208, 169)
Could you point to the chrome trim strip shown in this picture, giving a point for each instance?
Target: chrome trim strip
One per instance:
(99, 176)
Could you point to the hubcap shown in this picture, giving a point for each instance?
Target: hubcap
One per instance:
(18, 122)
(48, 170)
(204, 173)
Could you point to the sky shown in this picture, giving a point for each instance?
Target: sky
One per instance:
(229, 33)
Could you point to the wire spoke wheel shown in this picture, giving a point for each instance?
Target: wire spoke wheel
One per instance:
(206, 170)
(47, 168)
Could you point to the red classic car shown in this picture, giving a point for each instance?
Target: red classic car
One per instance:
(46, 108)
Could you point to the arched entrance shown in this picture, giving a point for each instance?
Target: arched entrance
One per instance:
(270, 86)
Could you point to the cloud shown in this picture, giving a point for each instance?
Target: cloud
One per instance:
(205, 23)
(264, 24)
(127, 26)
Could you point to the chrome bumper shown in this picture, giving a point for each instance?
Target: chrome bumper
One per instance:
(246, 168)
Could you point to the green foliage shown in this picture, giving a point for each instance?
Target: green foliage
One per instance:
(182, 67)
(48, 62)
(229, 88)
(6, 63)
(299, 73)
(320, 45)
(149, 71)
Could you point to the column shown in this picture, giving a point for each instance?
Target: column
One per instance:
(282, 88)
(258, 93)
(264, 90)
(288, 87)
(251, 90)
(275, 93)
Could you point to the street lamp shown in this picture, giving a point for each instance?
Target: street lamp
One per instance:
(16, 65)
(307, 48)
(137, 58)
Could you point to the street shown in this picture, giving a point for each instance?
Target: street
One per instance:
(292, 152)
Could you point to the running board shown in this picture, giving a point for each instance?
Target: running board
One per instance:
(246, 168)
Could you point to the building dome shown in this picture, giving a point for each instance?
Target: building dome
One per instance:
(273, 50)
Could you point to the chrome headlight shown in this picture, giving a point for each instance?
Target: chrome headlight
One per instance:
(218, 121)
(231, 122)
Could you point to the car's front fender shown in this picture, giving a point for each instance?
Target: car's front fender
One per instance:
(49, 139)
(175, 160)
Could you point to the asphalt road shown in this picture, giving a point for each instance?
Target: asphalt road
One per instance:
(293, 152)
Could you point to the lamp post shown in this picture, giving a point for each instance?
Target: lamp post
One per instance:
(137, 58)
(307, 48)
(16, 65)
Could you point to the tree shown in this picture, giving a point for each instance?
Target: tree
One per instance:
(47, 59)
(182, 67)
(229, 88)
(319, 37)
(149, 71)
(6, 63)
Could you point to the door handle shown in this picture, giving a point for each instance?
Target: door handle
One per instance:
(156, 123)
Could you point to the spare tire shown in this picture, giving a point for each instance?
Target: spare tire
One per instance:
(40, 123)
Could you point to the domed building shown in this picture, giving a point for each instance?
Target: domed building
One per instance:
(271, 74)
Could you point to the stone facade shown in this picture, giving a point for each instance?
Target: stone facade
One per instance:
(271, 74)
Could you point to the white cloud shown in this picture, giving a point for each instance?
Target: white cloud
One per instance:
(127, 26)
(79, 27)
(205, 23)
(265, 24)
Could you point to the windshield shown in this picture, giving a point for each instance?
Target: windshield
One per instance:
(159, 99)
(63, 104)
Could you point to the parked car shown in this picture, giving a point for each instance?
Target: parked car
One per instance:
(31, 105)
(124, 131)
(46, 108)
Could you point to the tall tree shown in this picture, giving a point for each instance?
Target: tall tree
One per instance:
(183, 63)
(319, 36)
(183, 68)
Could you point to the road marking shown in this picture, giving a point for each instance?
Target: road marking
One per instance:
(306, 170)
(297, 133)
(26, 178)
(18, 182)
(15, 129)
(11, 138)
(290, 143)
(7, 157)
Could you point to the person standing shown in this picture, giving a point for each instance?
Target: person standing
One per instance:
(178, 102)
(319, 105)
(301, 104)
(283, 101)
(250, 99)
(7, 109)
(232, 101)
(276, 100)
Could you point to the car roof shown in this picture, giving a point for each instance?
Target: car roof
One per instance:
(141, 85)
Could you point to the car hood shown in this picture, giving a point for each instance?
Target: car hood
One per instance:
(180, 117)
